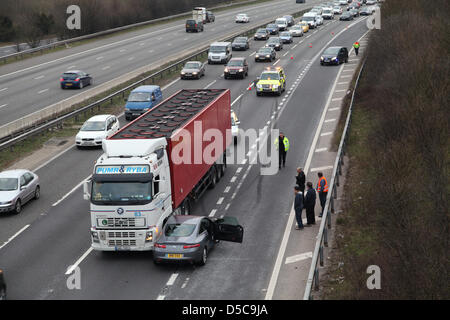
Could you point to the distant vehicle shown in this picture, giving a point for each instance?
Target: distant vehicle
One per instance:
(319, 20)
(210, 17)
(318, 8)
(286, 37)
(96, 129)
(236, 68)
(235, 127)
(296, 31)
(334, 55)
(272, 80)
(366, 11)
(192, 238)
(261, 34)
(346, 16)
(242, 18)
(371, 2)
(265, 54)
(299, 1)
(275, 42)
(304, 25)
(337, 10)
(354, 12)
(193, 70)
(219, 52)
(2, 286)
(17, 187)
(328, 14)
(272, 28)
(75, 79)
(310, 18)
(194, 26)
(282, 24)
(290, 20)
(240, 43)
(343, 2)
(141, 100)
(199, 14)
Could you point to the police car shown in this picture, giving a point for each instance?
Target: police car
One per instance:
(272, 80)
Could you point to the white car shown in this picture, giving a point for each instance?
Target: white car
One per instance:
(17, 187)
(337, 10)
(296, 31)
(319, 20)
(328, 13)
(310, 19)
(343, 2)
(242, 18)
(96, 129)
(234, 126)
(370, 2)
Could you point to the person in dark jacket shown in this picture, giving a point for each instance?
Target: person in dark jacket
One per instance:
(310, 203)
(300, 180)
(298, 207)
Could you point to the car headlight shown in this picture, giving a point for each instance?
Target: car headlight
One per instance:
(226, 70)
(275, 86)
(334, 58)
(268, 56)
(77, 138)
(321, 58)
(182, 72)
(148, 236)
(257, 56)
(95, 236)
(194, 72)
(241, 70)
(127, 109)
(259, 86)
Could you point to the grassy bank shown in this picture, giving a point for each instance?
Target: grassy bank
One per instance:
(396, 194)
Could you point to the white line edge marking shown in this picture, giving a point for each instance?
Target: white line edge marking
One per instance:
(172, 279)
(14, 236)
(77, 263)
(70, 192)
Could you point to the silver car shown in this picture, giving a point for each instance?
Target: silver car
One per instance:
(193, 70)
(191, 238)
(17, 187)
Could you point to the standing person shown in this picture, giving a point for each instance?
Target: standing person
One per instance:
(310, 203)
(356, 47)
(298, 207)
(282, 144)
(322, 189)
(300, 180)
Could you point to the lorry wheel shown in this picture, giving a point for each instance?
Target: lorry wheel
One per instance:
(186, 207)
(213, 179)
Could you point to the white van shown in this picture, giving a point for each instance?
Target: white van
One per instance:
(282, 23)
(219, 52)
(199, 14)
(310, 19)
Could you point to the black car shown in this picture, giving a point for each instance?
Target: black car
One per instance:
(272, 28)
(265, 54)
(75, 79)
(334, 55)
(290, 20)
(261, 34)
(192, 25)
(2, 286)
(240, 43)
(210, 17)
(299, 1)
(346, 16)
(275, 42)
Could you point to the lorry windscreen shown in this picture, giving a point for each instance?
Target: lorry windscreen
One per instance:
(121, 193)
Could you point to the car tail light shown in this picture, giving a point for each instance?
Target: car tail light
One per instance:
(61, 79)
(190, 246)
(163, 246)
(196, 25)
(77, 79)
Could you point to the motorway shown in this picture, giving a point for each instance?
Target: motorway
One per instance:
(55, 229)
(31, 85)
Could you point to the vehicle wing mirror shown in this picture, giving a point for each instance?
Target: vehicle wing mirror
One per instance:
(23, 188)
(86, 194)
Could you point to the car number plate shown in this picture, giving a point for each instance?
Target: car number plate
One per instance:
(122, 248)
(175, 255)
(68, 84)
(232, 72)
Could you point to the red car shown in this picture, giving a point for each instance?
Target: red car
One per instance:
(236, 67)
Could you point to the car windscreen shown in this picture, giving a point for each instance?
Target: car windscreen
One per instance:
(93, 126)
(273, 40)
(235, 63)
(265, 51)
(270, 76)
(240, 40)
(331, 51)
(261, 31)
(70, 76)
(326, 11)
(8, 184)
(192, 65)
(272, 26)
(280, 21)
(308, 19)
(139, 97)
(121, 192)
(179, 229)
(217, 49)
(285, 34)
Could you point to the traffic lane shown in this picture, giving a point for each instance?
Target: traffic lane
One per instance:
(37, 259)
(243, 271)
(48, 95)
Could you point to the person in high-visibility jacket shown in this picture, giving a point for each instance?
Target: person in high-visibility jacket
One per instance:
(322, 189)
(282, 144)
(356, 47)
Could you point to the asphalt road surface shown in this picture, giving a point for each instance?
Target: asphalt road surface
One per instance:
(55, 229)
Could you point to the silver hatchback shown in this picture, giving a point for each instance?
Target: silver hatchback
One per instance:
(17, 187)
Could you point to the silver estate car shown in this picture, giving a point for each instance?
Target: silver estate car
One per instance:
(191, 238)
(17, 187)
(193, 70)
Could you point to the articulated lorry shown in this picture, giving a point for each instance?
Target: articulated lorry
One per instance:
(156, 166)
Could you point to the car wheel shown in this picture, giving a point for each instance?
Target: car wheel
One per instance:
(279, 92)
(63, 87)
(235, 140)
(18, 207)
(209, 61)
(37, 193)
(346, 60)
(204, 257)
(81, 84)
(258, 94)
(156, 262)
(2, 294)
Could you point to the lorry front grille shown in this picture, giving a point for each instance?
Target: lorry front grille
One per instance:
(122, 242)
(122, 223)
(123, 234)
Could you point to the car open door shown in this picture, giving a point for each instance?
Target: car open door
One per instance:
(228, 229)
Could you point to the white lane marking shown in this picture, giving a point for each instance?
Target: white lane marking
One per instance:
(326, 134)
(151, 51)
(160, 297)
(234, 178)
(71, 67)
(170, 84)
(42, 91)
(185, 283)
(227, 189)
(142, 44)
(4, 89)
(349, 76)
(298, 257)
(276, 62)
(342, 90)
(130, 58)
(77, 263)
(334, 109)
(122, 50)
(330, 120)
(321, 149)
(106, 68)
(169, 44)
(348, 70)
(220, 200)
(235, 100)
(343, 82)
(336, 99)
(172, 279)
(3, 105)
(239, 170)
(70, 192)
(227, 207)
(321, 168)
(212, 213)
(99, 58)
(287, 231)
(14, 236)
(38, 78)
(284, 55)
(252, 54)
(209, 85)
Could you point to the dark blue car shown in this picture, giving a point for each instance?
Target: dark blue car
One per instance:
(272, 28)
(75, 79)
(141, 100)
